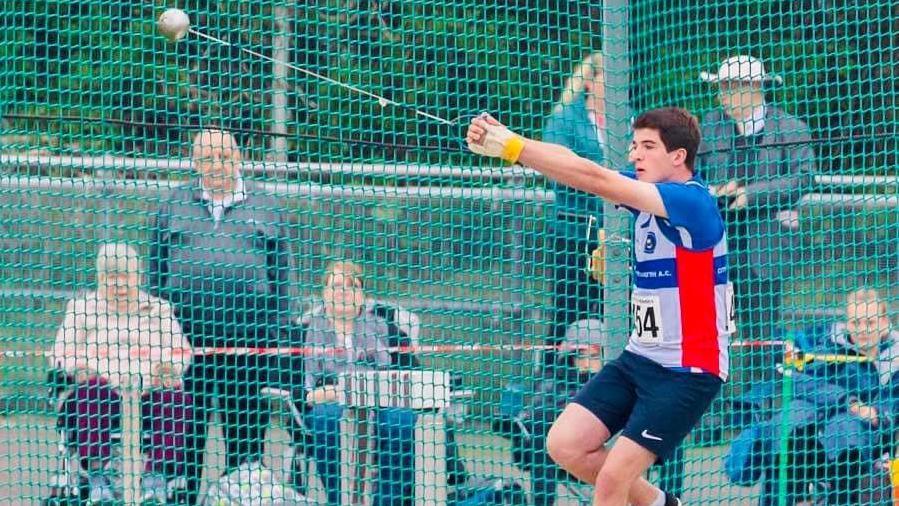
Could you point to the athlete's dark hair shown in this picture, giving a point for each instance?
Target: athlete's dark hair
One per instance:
(677, 128)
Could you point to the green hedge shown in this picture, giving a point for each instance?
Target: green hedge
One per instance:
(102, 59)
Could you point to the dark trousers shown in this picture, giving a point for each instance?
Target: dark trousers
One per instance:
(92, 413)
(576, 295)
(670, 473)
(758, 315)
(234, 382)
(758, 304)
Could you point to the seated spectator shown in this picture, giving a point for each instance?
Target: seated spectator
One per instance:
(119, 336)
(582, 355)
(842, 414)
(359, 341)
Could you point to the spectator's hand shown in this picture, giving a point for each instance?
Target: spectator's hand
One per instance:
(322, 395)
(164, 376)
(740, 200)
(864, 412)
(489, 137)
(598, 263)
(729, 189)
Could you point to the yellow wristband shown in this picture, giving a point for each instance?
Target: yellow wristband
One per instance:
(513, 148)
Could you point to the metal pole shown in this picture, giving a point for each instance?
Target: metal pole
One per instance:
(132, 456)
(616, 52)
(783, 447)
(280, 54)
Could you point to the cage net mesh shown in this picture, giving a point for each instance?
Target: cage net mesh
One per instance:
(259, 265)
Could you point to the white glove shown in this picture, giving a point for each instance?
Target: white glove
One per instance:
(488, 137)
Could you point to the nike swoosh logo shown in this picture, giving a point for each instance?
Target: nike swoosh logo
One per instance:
(647, 435)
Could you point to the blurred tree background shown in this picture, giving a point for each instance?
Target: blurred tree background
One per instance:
(103, 60)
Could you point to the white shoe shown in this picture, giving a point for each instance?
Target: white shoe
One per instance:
(101, 488)
(153, 488)
(671, 499)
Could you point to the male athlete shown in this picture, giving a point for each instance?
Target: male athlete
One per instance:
(676, 358)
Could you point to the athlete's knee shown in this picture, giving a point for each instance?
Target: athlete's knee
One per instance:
(558, 445)
(564, 447)
(576, 436)
(611, 480)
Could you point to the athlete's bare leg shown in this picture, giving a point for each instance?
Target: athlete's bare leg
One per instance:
(577, 441)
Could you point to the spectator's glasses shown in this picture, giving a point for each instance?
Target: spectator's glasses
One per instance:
(343, 282)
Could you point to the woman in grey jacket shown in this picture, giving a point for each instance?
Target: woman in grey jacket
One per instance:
(354, 339)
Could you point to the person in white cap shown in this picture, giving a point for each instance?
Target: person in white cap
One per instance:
(758, 161)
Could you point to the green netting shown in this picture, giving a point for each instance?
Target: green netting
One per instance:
(470, 274)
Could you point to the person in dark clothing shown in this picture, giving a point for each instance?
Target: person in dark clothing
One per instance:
(220, 253)
(758, 161)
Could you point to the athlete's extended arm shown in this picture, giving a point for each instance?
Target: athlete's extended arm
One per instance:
(488, 137)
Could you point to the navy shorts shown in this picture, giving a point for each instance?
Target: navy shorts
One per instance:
(649, 404)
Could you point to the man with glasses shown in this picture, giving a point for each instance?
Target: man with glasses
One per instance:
(220, 253)
(757, 160)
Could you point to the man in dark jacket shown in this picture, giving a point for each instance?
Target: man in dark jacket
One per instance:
(552, 393)
(220, 253)
(758, 161)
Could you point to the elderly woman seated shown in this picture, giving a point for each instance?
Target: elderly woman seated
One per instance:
(839, 420)
(113, 337)
(356, 339)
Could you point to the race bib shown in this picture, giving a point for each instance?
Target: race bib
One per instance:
(730, 310)
(647, 313)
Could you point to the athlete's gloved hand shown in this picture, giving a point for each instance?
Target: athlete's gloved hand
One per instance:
(489, 137)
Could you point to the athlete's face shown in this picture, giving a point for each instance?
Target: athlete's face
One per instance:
(652, 160)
